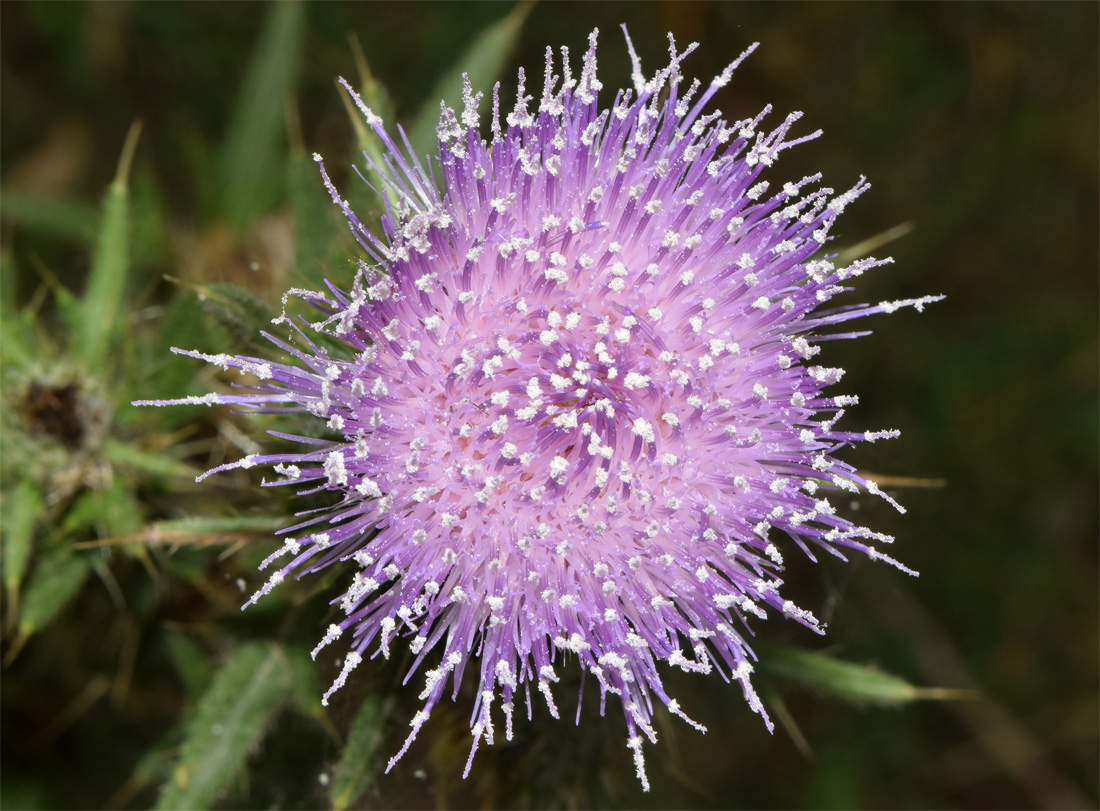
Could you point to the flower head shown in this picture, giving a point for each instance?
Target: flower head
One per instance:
(579, 420)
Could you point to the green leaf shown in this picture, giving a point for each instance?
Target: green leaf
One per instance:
(150, 237)
(238, 310)
(21, 508)
(365, 202)
(75, 222)
(191, 663)
(180, 532)
(83, 513)
(482, 61)
(360, 764)
(860, 684)
(103, 300)
(318, 239)
(210, 526)
(305, 686)
(250, 166)
(110, 512)
(229, 720)
(161, 373)
(16, 339)
(55, 580)
(157, 464)
(71, 309)
(118, 512)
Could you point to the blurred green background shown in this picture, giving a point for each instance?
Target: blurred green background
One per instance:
(127, 665)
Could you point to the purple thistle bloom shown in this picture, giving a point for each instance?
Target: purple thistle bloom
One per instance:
(579, 416)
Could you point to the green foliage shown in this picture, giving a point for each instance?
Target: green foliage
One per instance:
(102, 313)
(190, 661)
(250, 158)
(229, 720)
(237, 310)
(127, 456)
(483, 61)
(321, 242)
(118, 570)
(56, 578)
(59, 219)
(361, 762)
(859, 684)
(21, 509)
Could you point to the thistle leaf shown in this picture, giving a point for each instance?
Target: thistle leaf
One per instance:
(237, 310)
(190, 661)
(483, 62)
(360, 765)
(103, 300)
(73, 222)
(55, 580)
(198, 530)
(305, 686)
(250, 165)
(859, 684)
(319, 242)
(229, 720)
(21, 508)
(157, 464)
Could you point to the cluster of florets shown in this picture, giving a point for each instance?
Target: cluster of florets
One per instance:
(579, 418)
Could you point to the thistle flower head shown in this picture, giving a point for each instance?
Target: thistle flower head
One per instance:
(579, 421)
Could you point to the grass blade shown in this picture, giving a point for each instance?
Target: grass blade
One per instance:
(229, 720)
(483, 61)
(250, 168)
(103, 299)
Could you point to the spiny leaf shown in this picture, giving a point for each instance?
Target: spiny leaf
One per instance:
(305, 686)
(80, 222)
(192, 530)
(125, 455)
(191, 663)
(249, 161)
(360, 765)
(103, 299)
(76, 222)
(83, 513)
(118, 511)
(237, 309)
(55, 580)
(366, 139)
(318, 240)
(183, 324)
(229, 720)
(149, 234)
(237, 523)
(21, 508)
(482, 61)
(860, 684)
(17, 328)
(16, 338)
